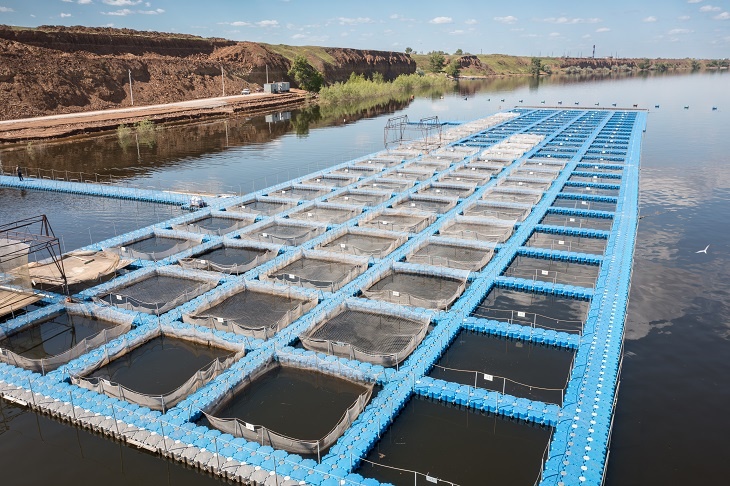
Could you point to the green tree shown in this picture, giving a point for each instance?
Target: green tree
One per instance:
(378, 78)
(458, 52)
(408, 50)
(436, 61)
(305, 75)
(453, 69)
(696, 65)
(535, 66)
(644, 64)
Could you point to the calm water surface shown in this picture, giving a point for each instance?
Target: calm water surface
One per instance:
(670, 426)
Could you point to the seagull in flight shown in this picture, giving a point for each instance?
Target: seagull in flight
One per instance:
(703, 251)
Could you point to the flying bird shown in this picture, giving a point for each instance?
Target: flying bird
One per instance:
(703, 251)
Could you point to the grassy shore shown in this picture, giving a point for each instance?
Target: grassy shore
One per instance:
(358, 88)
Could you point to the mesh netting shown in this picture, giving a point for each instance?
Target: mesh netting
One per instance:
(578, 244)
(213, 225)
(364, 244)
(377, 338)
(263, 207)
(447, 191)
(392, 221)
(525, 184)
(573, 221)
(155, 248)
(229, 259)
(360, 197)
(497, 212)
(428, 204)
(477, 230)
(386, 185)
(505, 195)
(434, 164)
(79, 266)
(317, 273)
(474, 179)
(325, 214)
(529, 173)
(385, 162)
(161, 402)
(358, 170)
(564, 202)
(554, 271)
(156, 294)
(411, 175)
(284, 234)
(331, 180)
(452, 256)
(416, 289)
(258, 313)
(13, 300)
(267, 437)
(595, 191)
(27, 348)
(14, 264)
(544, 163)
(300, 192)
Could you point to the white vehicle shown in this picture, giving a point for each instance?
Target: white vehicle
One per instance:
(246, 91)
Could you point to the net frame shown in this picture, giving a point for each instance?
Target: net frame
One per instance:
(481, 229)
(386, 184)
(46, 271)
(261, 206)
(567, 242)
(360, 198)
(123, 324)
(464, 150)
(538, 162)
(305, 231)
(410, 174)
(358, 171)
(512, 195)
(396, 240)
(521, 183)
(200, 315)
(238, 221)
(267, 437)
(544, 270)
(419, 320)
(562, 202)
(283, 271)
(460, 191)
(269, 252)
(187, 241)
(427, 204)
(530, 173)
(326, 213)
(464, 177)
(330, 179)
(436, 164)
(419, 255)
(113, 291)
(398, 221)
(577, 221)
(378, 162)
(162, 402)
(491, 210)
(300, 192)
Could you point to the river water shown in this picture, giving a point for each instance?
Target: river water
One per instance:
(670, 427)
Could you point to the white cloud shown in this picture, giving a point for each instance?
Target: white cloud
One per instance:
(456, 32)
(121, 3)
(6, 9)
(709, 8)
(151, 12)
(650, 18)
(573, 20)
(517, 29)
(471, 22)
(238, 23)
(587, 36)
(680, 31)
(554, 34)
(441, 20)
(722, 16)
(298, 36)
(694, 1)
(684, 17)
(119, 13)
(354, 21)
(603, 29)
(268, 23)
(64, 15)
(510, 19)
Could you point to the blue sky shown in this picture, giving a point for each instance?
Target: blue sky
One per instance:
(638, 28)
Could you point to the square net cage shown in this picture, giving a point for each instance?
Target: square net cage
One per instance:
(435, 164)
(218, 224)
(280, 232)
(521, 183)
(412, 175)
(155, 247)
(575, 221)
(449, 254)
(386, 184)
(144, 370)
(602, 168)
(472, 178)
(331, 180)
(263, 207)
(382, 162)
(517, 196)
(447, 190)
(361, 198)
(533, 310)
(373, 244)
(233, 259)
(492, 160)
(358, 171)
(595, 179)
(553, 271)
(255, 311)
(416, 288)
(492, 231)
(565, 242)
(259, 409)
(322, 272)
(368, 335)
(324, 213)
(584, 204)
(483, 209)
(589, 190)
(155, 293)
(82, 268)
(436, 205)
(392, 220)
(52, 341)
(532, 173)
(300, 192)
(551, 164)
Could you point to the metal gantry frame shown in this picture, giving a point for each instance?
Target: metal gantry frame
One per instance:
(426, 132)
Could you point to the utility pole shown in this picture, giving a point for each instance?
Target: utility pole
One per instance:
(267, 74)
(223, 80)
(131, 94)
